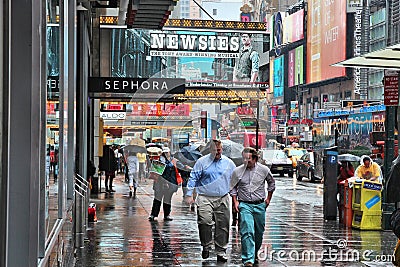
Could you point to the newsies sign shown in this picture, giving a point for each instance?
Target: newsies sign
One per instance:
(150, 86)
(194, 45)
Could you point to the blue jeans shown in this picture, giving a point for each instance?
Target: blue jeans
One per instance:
(252, 224)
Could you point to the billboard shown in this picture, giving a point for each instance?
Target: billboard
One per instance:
(326, 36)
(294, 109)
(279, 76)
(295, 67)
(353, 130)
(293, 27)
(194, 45)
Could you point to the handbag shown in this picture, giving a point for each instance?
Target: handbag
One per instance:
(178, 176)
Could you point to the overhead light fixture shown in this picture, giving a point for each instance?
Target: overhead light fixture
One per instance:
(80, 7)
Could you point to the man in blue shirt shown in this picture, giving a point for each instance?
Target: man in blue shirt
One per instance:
(211, 177)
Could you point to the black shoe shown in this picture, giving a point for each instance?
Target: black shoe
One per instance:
(151, 218)
(222, 258)
(130, 193)
(168, 218)
(112, 190)
(205, 254)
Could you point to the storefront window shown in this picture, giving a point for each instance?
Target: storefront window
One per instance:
(52, 115)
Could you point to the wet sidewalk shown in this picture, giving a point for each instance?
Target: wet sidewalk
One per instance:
(296, 233)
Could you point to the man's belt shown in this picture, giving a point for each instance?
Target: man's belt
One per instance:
(253, 202)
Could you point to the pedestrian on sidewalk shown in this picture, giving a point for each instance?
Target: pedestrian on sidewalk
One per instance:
(133, 170)
(164, 187)
(142, 165)
(250, 201)
(109, 165)
(211, 177)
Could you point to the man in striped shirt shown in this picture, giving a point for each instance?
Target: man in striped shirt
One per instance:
(250, 201)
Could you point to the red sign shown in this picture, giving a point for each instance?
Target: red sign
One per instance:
(160, 110)
(115, 106)
(244, 110)
(391, 91)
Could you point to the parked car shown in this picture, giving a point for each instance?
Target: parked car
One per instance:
(294, 154)
(310, 165)
(277, 161)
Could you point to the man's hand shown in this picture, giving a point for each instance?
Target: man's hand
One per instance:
(189, 200)
(267, 201)
(235, 205)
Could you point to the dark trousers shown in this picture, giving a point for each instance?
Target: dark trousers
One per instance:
(109, 180)
(165, 197)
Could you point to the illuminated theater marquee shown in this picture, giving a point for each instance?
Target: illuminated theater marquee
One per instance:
(193, 45)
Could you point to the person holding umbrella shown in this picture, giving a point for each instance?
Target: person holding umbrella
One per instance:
(346, 170)
(133, 170)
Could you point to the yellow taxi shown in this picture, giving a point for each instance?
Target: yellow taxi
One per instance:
(294, 154)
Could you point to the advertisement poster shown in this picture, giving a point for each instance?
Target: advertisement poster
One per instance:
(294, 109)
(278, 76)
(293, 26)
(353, 130)
(299, 66)
(208, 56)
(326, 24)
(295, 67)
(291, 66)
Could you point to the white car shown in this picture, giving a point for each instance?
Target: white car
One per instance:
(277, 161)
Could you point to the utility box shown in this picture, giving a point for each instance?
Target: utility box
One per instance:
(367, 205)
(345, 203)
(330, 182)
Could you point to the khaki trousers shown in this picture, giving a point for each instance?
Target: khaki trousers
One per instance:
(210, 211)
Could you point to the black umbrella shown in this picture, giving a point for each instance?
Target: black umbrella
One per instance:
(134, 149)
(190, 152)
(188, 155)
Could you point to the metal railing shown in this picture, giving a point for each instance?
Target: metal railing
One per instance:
(81, 206)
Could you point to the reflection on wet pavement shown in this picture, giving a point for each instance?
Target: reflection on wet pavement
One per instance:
(296, 233)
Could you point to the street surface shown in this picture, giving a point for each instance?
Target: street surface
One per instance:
(296, 233)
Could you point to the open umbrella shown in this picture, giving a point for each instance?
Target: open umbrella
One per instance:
(230, 149)
(188, 155)
(138, 142)
(134, 149)
(348, 157)
(154, 151)
(136, 145)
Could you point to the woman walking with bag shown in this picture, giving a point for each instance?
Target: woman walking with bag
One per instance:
(164, 187)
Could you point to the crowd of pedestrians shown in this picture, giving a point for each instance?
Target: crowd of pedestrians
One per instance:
(216, 187)
(211, 184)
